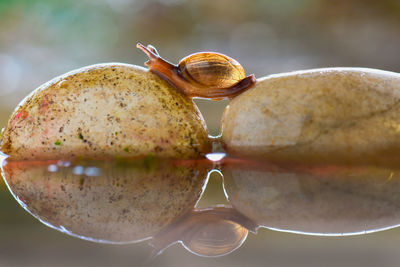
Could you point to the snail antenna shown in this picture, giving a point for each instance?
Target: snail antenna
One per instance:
(150, 51)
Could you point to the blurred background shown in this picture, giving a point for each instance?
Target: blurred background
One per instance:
(42, 39)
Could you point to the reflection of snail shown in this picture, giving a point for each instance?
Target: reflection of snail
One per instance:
(313, 198)
(111, 202)
(210, 232)
(205, 74)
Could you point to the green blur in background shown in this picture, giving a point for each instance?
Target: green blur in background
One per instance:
(45, 38)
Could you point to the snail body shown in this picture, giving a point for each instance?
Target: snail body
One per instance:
(204, 75)
(105, 110)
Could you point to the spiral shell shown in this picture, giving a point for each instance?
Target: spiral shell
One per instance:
(210, 69)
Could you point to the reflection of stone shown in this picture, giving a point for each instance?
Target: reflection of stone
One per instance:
(106, 201)
(317, 113)
(315, 199)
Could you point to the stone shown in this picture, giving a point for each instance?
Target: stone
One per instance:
(105, 110)
(319, 114)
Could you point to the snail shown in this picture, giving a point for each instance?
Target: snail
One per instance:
(319, 115)
(317, 199)
(204, 75)
(212, 232)
(105, 111)
(113, 201)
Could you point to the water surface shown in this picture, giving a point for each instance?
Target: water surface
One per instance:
(154, 201)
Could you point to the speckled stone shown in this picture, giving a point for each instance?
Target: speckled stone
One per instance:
(316, 114)
(105, 110)
(121, 204)
(316, 199)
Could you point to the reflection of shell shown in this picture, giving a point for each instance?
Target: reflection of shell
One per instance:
(215, 238)
(210, 232)
(316, 113)
(122, 204)
(105, 110)
(318, 200)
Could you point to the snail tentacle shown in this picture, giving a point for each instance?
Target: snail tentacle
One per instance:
(162, 68)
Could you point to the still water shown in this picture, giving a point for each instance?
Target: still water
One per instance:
(154, 201)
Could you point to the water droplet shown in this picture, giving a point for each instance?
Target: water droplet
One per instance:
(63, 84)
(52, 168)
(61, 163)
(78, 170)
(215, 156)
(92, 171)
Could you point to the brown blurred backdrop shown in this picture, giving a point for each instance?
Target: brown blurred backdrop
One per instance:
(42, 39)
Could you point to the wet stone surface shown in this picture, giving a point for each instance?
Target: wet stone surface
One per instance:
(105, 110)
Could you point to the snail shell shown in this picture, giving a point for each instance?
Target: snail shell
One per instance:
(211, 69)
